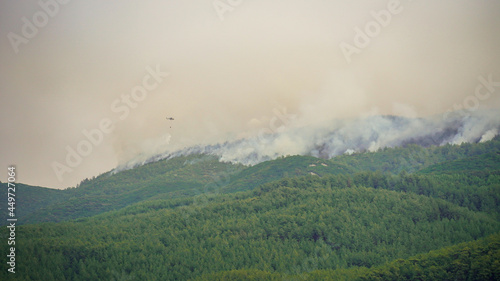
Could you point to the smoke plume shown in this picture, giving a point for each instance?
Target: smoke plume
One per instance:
(345, 137)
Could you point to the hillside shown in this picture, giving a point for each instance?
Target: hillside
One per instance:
(363, 216)
(179, 177)
(30, 199)
(327, 221)
(219, 140)
(477, 260)
(482, 163)
(284, 167)
(185, 176)
(412, 158)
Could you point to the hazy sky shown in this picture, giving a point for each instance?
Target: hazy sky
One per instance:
(232, 67)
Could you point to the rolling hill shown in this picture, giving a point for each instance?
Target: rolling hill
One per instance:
(477, 260)
(190, 175)
(329, 221)
(365, 216)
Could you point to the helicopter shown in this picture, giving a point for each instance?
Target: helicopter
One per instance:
(170, 118)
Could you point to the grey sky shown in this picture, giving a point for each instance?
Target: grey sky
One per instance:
(226, 77)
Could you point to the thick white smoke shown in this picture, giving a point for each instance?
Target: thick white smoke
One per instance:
(345, 137)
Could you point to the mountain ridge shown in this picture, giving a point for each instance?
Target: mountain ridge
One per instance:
(190, 175)
(274, 228)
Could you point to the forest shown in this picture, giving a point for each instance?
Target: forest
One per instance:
(406, 213)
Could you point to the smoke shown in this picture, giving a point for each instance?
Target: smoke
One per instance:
(347, 136)
(489, 135)
(227, 79)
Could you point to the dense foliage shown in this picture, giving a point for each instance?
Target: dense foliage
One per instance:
(187, 176)
(412, 158)
(395, 214)
(29, 199)
(326, 223)
(179, 177)
(474, 261)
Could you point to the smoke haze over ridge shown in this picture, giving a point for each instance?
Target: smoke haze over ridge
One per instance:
(346, 136)
(228, 77)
